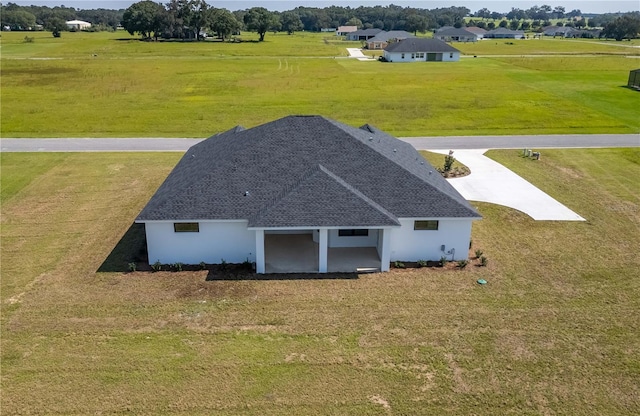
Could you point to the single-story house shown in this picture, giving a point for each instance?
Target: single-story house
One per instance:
(440, 29)
(562, 31)
(305, 194)
(456, 35)
(345, 30)
(363, 34)
(634, 79)
(77, 24)
(421, 49)
(478, 31)
(504, 33)
(570, 32)
(382, 39)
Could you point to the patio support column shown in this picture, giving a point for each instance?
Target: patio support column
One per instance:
(385, 255)
(323, 247)
(260, 266)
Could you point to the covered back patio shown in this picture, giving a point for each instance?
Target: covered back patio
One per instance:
(308, 251)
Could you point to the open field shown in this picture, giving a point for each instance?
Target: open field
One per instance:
(554, 331)
(107, 85)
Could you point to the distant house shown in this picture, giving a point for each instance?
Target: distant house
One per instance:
(456, 35)
(570, 32)
(382, 39)
(562, 31)
(504, 33)
(306, 194)
(440, 29)
(363, 34)
(345, 30)
(478, 31)
(77, 24)
(634, 79)
(421, 50)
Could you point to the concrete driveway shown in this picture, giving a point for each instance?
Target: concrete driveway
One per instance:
(491, 182)
(357, 53)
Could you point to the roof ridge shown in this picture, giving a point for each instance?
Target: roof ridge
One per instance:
(283, 193)
(312, 172)
(359, 194)
(369, 128)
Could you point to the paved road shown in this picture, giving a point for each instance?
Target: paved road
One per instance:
(453, 142)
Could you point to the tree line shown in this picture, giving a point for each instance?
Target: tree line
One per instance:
(192, 19)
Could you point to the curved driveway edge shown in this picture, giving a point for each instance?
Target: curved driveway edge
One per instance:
(491, 182)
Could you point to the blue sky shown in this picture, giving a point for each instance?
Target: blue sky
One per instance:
(601, 6)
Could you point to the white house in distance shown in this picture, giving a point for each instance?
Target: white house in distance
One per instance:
(420, 50)
(77, 24)
(306, 194)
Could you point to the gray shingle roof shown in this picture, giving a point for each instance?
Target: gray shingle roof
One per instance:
(366, 32)
(305, 171)
(504, 31)
(420, 45)
(394, 34)
(455, 32)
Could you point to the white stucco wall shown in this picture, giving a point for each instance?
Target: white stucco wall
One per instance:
(408, 244)
(216, 240)
(353, 241)
(397, 57)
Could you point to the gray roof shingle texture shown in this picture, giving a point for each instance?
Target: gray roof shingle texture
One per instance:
(455, 32)
(305, 171)
(394, 34)
(420, 45)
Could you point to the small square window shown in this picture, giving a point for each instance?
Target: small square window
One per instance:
(186, 227)
(425, 225)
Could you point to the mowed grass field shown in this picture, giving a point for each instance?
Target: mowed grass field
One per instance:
(555, 330)
(111, 85)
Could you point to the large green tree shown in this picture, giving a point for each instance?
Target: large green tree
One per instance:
(196, 15)
(144, 17)
(260, 20)
(624, 27)
(224, 23)
(416, 23)
(18, 19)
(290, 22)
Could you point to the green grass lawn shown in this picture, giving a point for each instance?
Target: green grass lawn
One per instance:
(554, 331)
(109, 85)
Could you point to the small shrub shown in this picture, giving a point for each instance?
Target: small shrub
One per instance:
(443, 261)
(178, 266)
(157, 266)
(470, 243)
(223, 264)
(463, 263)
(448, 161)
(399, 265)
(133, 266)
(478, 253)
(483, 261)
(203, 265)
(247, 265)
(422, 263)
